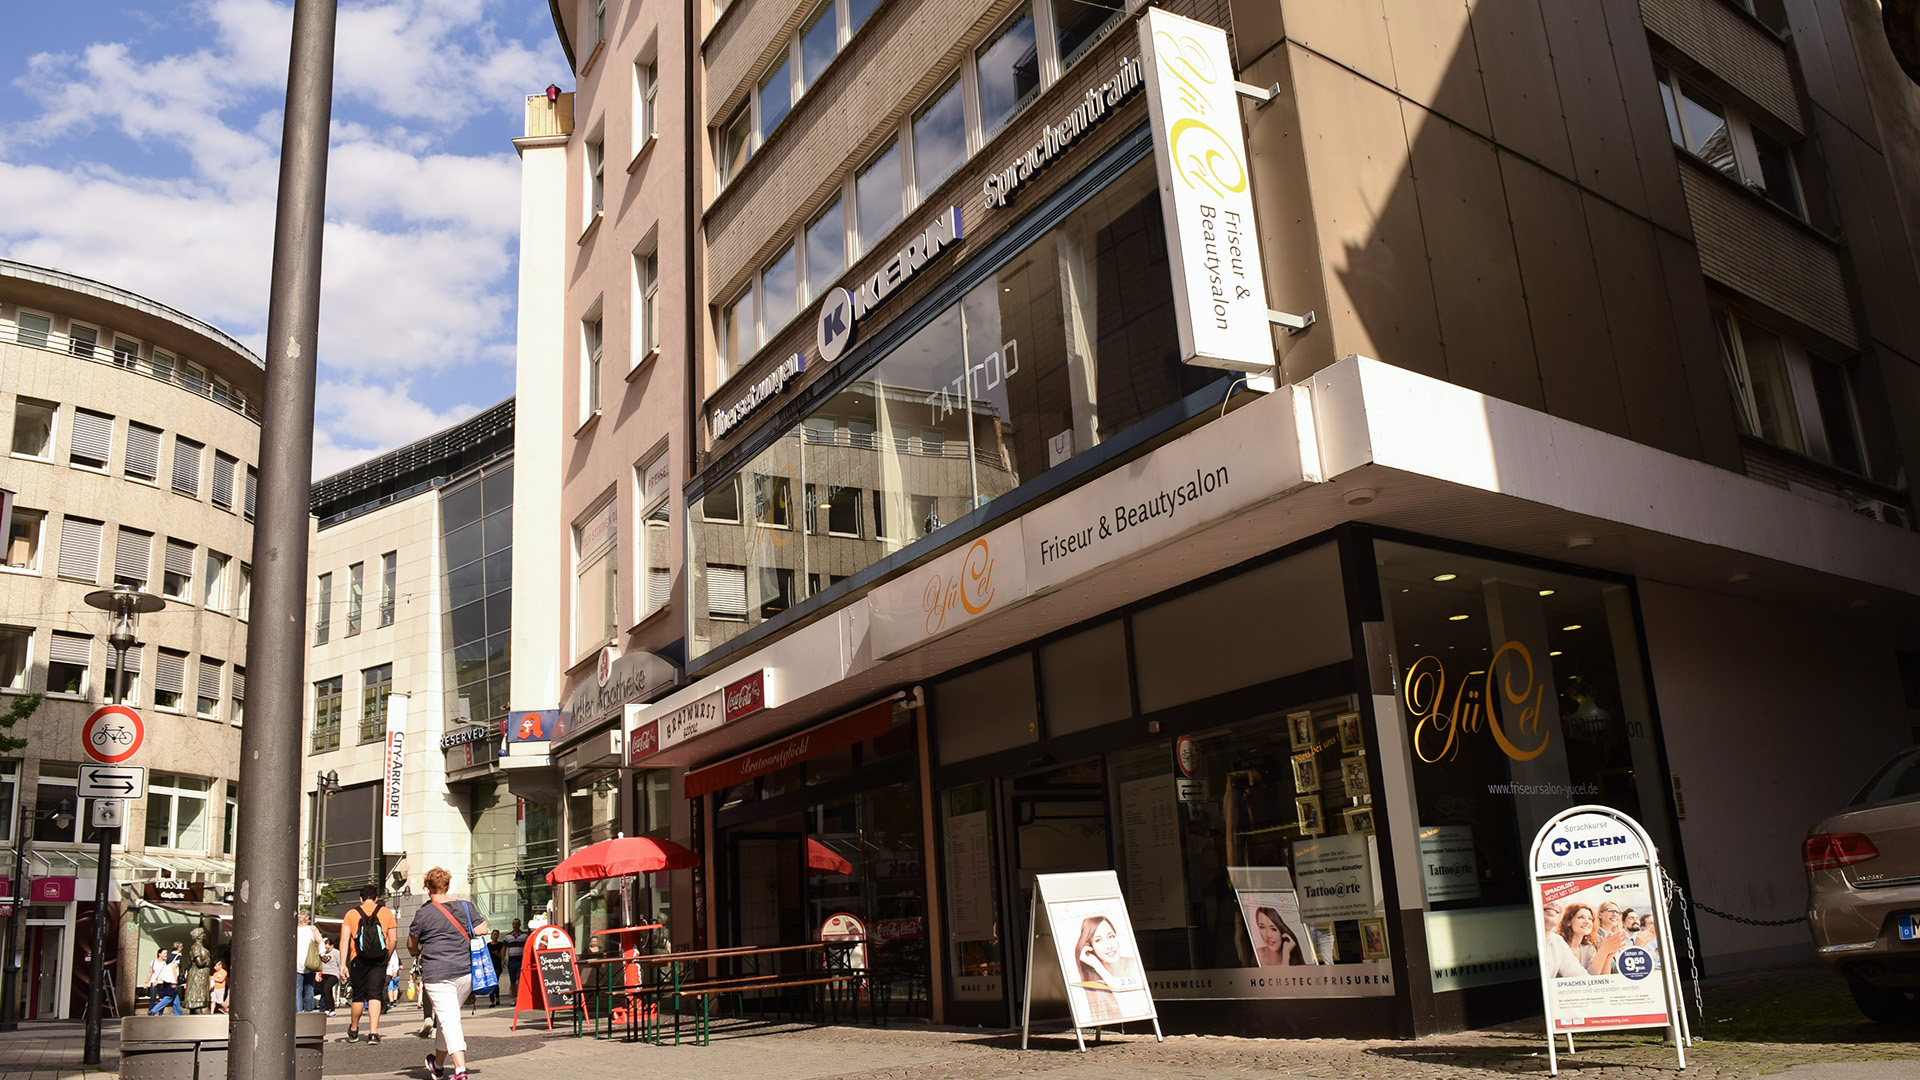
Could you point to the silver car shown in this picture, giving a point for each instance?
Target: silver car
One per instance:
(1863, 881)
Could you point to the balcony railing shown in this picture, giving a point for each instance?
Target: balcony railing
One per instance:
(174, 374)
(900, 444)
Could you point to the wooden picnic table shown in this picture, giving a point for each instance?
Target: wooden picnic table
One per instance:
(672, 972)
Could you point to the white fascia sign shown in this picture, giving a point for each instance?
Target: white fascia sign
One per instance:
(1200, 153)
(842, 309)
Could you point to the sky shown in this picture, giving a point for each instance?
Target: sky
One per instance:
(139, 146)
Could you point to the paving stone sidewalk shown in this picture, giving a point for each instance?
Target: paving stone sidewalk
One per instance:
(1794, 1021)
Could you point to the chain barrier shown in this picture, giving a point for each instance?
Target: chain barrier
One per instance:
(1671, 890)
(1797, 919)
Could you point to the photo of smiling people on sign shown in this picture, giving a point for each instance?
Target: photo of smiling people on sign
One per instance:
(1100, 961)
(1601, 973)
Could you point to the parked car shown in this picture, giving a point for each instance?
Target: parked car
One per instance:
(1863, 881)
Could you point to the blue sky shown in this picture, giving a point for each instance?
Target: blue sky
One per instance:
(139, 145)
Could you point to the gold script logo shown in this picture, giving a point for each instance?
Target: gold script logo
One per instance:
(970, 588)
(1201, 155)
(1440, 726)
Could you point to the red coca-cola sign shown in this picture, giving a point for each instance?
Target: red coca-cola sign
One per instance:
(643, 741)
(745, 697)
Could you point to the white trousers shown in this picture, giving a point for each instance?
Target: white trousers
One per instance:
(446, 998)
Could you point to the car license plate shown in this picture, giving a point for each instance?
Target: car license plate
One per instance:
(1909, 927)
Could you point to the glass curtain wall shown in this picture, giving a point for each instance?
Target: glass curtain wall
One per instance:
(1068, 343)
(476, 522)
(515, 843)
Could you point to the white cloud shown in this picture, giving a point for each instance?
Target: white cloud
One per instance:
(375, 418)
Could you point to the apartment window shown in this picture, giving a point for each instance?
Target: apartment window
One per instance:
(596, 561)
(1788, 396)
(592, 347)
(80, 549)
(1008, 66)
(323, 609)
(738, 337)
(599, 24)
(722, 502)
(939, 139)
(243, 593)
(877, 195)
(776, 590)
(69, 656)
(126, 352)
(389, 578)
(207, 703)
(24, 537)
(253, 484)
(356, 575)
(857, 12)
(223, 467)
(196, 377)
(596, 174)
(16, 657)
(161, 365)
(1728, 141)
(775, 97)
(177, 812)
(779, 294)
(646, 278)
(819, 43)
(133, 558)
(92, 440)
(216, 593)
(32, 329)
(170, 680)
(726, 591)
(326, 715)
(177, 582)
(1778, 181)
(123, 682)
(656, 499)
(736, 138)
(186, 466)
(826, 249)
(1079, 24)
(239, 706)
(646, 92)
(772, 501)
(33, 428)
(229, 833)
(143, 453)
(376, 686)
(82, 340)
(58, 784)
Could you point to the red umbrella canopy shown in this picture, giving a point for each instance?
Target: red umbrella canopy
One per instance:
(822, 859)
(622, 857)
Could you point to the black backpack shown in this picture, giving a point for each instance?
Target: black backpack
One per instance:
(369, 938)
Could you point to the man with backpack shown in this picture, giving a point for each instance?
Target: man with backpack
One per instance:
(368, 935)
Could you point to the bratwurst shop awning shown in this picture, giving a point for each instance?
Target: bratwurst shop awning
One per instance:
(869, 723)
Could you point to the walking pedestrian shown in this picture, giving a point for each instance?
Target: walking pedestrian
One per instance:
(163, 982)
(329, 975)
(218, 986)
(368, 936)
(439, 935)
(306, 960)
(497, 952)
(516, 947)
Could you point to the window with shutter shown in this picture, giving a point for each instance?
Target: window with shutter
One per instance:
(186, 466)
(178, 582)
(659, 587)
(237, 709)
(92, 439)
(133, 558)
(68, 658)
(209, 703)
(223, 467)
(253, 484)
(169, 679)
(727, 592)
(128, 690)
(143, 452)
(80, 549)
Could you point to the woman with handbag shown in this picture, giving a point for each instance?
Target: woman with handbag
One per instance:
(443, 935)
(306, 953)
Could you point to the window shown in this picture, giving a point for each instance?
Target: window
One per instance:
(253, 484)
(207, 703)
(170, 680)
(656, 491)
(177, 812)
(843, 511)
(133, 558)
(81, 340)
(24, 536)
(727, 591)
(326, 715)
(738, 340)
(126, 352)
(819, 41)
(776, 590)
(592, 342)
(33, 428)
(16, 657)
(92, 440)
(779, 294)
(80, 549)
(1777, 180)
(877, 195)
(162, 366)
(69, 656)
(123, 684)
(1788, 396)
(646, 92)
(243, 595)
(857, 12)
(826, 249)
(772, 501)
(599, 25)
(722, 503)
(775, 97)
(223, 467)
(1079, 24)
(939, 139)
(1729, 142)
(1008, 66)
(186, 466)
(32, 329)
(323, 609)
(646, 283)
(9, 799)
(178, 580)
(356, 575)
(596, 175)
(229, 833)
(216, 594)
(376, 686)
(239, 707)
(595, 546)
(56, 787)
(389, 578)
(143, 453)
(736, 137)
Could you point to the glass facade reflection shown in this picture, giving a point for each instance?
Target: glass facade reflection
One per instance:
(476, 523)
(1067, 343)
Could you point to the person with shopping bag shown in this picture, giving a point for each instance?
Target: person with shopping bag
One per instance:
(449, 937)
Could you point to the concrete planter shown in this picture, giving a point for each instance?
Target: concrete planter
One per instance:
(195, 1047)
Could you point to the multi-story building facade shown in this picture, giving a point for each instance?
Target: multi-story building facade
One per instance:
(1587, 479)
(408, 667)
(133, 434)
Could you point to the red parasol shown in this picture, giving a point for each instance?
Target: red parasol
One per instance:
(620, 858)
(822, 859)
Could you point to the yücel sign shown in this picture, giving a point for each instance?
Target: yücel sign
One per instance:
(842, 310)
(1099, 103)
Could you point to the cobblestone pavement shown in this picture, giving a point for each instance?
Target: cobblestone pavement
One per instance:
(1795, 1022)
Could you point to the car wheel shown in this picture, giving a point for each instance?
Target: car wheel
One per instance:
(1895, 1008)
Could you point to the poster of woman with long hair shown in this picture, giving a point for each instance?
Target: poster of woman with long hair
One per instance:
(1106, 983)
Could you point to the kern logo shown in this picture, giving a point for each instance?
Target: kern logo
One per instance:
(1561, 845)
(835, 331)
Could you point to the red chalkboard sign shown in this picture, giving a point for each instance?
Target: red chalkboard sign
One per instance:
(549, 980)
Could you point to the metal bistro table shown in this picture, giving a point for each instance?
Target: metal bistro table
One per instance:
(674, 983)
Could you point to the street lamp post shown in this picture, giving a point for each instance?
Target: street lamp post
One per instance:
(62, 818)
(125, 606)
(325, 784)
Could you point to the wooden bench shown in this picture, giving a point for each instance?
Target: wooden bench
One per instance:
(705, 993)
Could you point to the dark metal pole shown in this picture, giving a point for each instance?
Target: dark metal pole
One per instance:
(267, 866)
(103, 877)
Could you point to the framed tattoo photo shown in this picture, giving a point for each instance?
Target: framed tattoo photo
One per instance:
(1353, 772)
(1312, 821)
(1373, 939)
(1351, 741)
(1300, 730)
(1359, 819)
(1306, 774)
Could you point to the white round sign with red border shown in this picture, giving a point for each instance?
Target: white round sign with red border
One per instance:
(113, 734)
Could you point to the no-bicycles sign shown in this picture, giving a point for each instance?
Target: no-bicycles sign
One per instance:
(113, 734)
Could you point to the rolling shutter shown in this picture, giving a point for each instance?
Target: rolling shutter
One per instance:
(659, 587)
(186, 466)
(171, 675)
(133, 659)
(209, 677)
(92, 435)
(223, 481)
(239, 683)
(133, 555)
(80, 549)
(179, 558)
(727, 591)
(253, 484)
(71, 649)
(143, 452)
